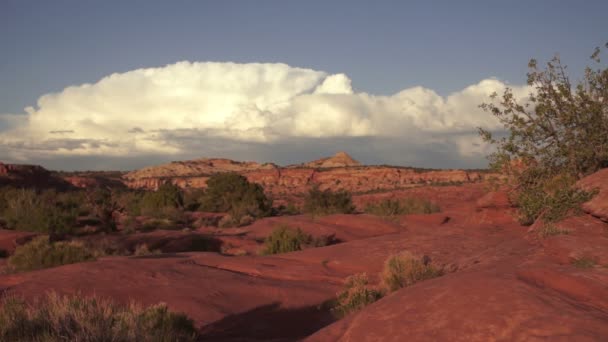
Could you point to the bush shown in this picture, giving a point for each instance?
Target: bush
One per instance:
(549, 229)
(404, 270)
(40, 253)
(45, 212)
(285, 239)
(76, 318)
(3, 253)
(555, 138)
(233, 193)
(407, 206)
(167, 196)
(104, 204)
(327, 202)
(356, 295)
(143, 250)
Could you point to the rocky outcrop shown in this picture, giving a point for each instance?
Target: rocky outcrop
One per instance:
(29, 176)
(298, 179)
(340, 159)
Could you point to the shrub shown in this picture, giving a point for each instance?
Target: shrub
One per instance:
(76, 318)
(233, 193)
(390, 207)
(356, 295)
(105, 206)
(131, 201)
(167, 196)
(404, 270)
(45, 212)
(4, 253)
(143, 250)
(550, 229)
(557, 136)
(327, 202)
(285, 239)
(40, 253)
(583, 262)
(155, 224)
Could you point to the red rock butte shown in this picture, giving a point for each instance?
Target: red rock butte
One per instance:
(338, 172)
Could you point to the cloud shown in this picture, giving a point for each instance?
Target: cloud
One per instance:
(167, 110)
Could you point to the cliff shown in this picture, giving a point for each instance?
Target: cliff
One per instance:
(337, 172)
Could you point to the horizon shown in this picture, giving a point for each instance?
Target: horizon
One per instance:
(120, 86)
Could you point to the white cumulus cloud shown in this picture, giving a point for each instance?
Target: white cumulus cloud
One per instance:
(141, 112)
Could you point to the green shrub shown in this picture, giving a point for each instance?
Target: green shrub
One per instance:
(167, 196)
(104, 204)
(404, 270)
(555, 136)
(552, 200)
(192, 199)
(285, 239)
(3, 253)
(357, 294)
(407, 206)
(77, 318)
(45, 212)
(40, 253)
(327, 202)
(131, 201)
(233, 193)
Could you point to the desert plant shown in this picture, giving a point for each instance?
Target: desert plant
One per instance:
(143, 250)
(233, 193)
(78, 318)
(584, 262)
(45, 212)
(391, 207)
(357, 294)
(327, 202)
(285, 239)
(40, 253)
(557, 136)
(550, 229)
(403, 270)
(155, 224)
(167, 196)
(104, 204)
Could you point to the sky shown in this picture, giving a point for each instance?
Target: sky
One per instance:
(125, 84)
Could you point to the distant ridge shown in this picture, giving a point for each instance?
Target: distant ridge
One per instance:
(340, 159)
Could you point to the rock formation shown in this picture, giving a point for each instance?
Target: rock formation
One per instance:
(337, 172)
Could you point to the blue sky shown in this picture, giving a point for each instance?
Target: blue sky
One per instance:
(383, 47)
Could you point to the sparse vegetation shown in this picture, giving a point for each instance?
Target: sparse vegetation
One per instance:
(167, 196)
(40, 253)
(404, 270)
(45, 212)
(143, 250)
(392, 207)
(75, 318)
(557, 136)
(3, 253)
(357, 294)
(285, 239)
(234, 194)
(584, 262)
(550, 229)
(327, 202)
